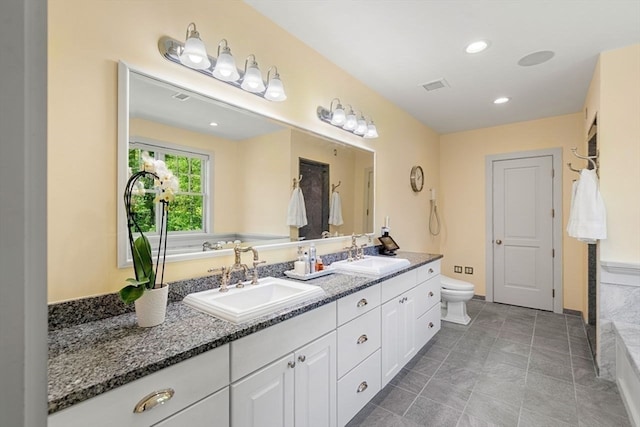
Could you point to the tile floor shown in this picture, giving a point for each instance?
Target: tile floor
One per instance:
(511, 366)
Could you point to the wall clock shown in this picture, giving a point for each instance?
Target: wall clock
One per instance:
(417, 178)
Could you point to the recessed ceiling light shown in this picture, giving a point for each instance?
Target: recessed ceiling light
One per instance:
(213, 124)
(501, 100)
(477, 47)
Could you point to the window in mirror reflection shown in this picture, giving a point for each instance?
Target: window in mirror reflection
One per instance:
(188, 210)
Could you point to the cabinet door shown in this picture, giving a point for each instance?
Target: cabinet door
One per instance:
(390, 345)
(265, 398)
(212, 411)
(315, 383)
(407, 327)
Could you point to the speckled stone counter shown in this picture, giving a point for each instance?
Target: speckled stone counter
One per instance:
(87, 359)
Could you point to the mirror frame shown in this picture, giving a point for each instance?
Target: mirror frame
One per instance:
(124, 71)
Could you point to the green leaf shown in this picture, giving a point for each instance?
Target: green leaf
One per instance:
(142, 261)
(129, 294)
(134, 282)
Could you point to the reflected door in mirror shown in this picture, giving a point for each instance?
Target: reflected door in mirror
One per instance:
(315, 188)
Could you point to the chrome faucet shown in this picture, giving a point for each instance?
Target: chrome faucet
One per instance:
(237, 265)
(359, 251)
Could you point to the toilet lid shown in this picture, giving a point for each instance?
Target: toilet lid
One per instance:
(455, 284)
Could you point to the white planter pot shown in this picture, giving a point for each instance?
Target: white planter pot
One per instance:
(151, 307)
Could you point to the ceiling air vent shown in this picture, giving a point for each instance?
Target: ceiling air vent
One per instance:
(181, 96)
(435, 85)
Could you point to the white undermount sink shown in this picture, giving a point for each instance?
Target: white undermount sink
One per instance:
(372, 265)
(240, 305)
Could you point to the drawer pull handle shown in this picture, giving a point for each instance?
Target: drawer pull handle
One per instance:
(302, 358)
(154, 399)
(363, 339)
(430, 325)
(362, 302)
(362, 387)
(291, 364)
(430, 270)
(430, 294)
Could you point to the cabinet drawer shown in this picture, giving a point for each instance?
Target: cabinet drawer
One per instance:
(357, 340)
(191, 381)
(427, 294)
(200, 414)
(358, 387)
(256, 350)
(398, 285)
(359, 303)
(427, 326)
(428, 271)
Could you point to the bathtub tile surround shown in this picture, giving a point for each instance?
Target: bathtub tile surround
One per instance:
(494, 372)
(96, 354)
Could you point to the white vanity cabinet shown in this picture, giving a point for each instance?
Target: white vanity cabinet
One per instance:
(299, 388)
(200, 391)
(358, 351)
(410, 316)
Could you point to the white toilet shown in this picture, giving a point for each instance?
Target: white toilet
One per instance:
(455, 294)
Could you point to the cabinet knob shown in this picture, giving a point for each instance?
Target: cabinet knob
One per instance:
(430, 325)
(154, 399)
(291, 364)
(302, 358)
(363, 339)
(362, 302)
(430, 270)
(430, 294)
(362, 387)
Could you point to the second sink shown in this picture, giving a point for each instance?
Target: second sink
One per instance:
(372, 265)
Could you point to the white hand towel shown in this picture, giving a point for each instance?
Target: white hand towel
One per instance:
(588, 211)
(335, 210)
(297, 212)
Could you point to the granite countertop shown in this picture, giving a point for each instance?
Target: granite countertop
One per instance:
(630, 335)
(91, 358)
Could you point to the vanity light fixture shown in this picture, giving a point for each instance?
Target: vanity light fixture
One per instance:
(275, 89)
(225, 68)
(192, 54)
(252, 80)
(349, 121)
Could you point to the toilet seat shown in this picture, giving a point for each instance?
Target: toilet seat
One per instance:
(455, 284)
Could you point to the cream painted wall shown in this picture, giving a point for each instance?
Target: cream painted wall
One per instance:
(619, 145)
(462, 204)
(86, 40)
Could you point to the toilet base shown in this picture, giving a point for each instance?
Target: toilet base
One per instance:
(456, 312)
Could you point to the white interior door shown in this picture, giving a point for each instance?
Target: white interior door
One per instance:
(523, 232)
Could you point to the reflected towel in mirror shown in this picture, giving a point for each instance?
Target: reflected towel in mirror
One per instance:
(297, 212)
(335, 210)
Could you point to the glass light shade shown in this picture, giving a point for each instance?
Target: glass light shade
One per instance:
(338, 117)
(372, 132)
(351, 122)
(225, 68)
(275, 90)
(252, 80)
(194, 54)
(361, 128)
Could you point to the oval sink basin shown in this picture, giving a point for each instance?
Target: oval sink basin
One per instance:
(239, 305)
(372, 265)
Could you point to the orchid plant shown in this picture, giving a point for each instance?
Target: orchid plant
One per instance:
(165, 185)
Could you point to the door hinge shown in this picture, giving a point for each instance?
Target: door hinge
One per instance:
(553, 213)
(553, 173)
(553, 293)
(553, 253)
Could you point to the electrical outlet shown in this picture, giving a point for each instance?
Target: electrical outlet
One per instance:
(468, 270)
(457, 269)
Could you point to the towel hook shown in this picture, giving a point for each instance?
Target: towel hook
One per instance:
(333, 186)
(296, 182)
(573, 169)
(591, 159)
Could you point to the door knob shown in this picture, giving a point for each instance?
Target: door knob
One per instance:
(498, 242)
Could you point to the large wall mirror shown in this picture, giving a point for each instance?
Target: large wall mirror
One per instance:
(236, 171)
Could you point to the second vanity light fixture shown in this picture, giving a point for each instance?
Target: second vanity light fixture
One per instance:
(347, 120)
(193, 54)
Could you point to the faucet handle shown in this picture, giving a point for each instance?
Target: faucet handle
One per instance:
(254, 279)
(224, 280)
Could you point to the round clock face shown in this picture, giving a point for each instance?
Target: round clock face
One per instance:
(417, 178)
